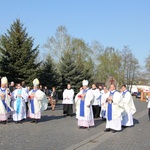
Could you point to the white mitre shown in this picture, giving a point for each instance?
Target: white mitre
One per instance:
(36, 82)
(4, 80)
(85, 82)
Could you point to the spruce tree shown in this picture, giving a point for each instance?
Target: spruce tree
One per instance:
(72, 71)
(18, 57)
(48, 73)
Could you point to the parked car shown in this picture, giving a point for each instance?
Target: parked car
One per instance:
(138, 95)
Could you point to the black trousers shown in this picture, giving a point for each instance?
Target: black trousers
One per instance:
(68, 109)
(96, 112)
(27, 108)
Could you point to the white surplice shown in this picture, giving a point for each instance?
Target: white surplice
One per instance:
(97, 96)
(103, 104)
(68, 96)
(129, 107)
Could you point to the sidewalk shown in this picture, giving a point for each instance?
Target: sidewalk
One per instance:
(56, 132)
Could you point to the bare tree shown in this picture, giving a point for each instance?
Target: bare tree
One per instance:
(130, 67)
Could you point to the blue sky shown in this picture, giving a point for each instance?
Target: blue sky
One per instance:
(111, 22)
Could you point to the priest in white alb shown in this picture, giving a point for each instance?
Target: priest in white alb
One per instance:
(5, 108)
(67, 102)
(37, 102)
(129, 107)
(114, 110)
(85, 116)
(19, 97)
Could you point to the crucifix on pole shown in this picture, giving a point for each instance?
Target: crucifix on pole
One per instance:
(111, 80)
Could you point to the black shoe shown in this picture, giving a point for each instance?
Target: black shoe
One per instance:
(20, 122)
(36, 121)
(16, 122)
(113, 131)
(107, 130)
(123, 126)
(33, 121)
(3, 122)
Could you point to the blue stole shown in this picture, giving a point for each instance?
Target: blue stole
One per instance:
(18, 101)
(124, 93)
(109, 114)
(3, 101)
(32, 103)
(82, 104)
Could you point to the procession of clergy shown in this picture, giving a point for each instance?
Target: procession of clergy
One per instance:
(117, 107)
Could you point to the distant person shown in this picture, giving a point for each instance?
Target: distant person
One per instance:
(12, 87)
(46, 91)
(41, 87)
(53, 98)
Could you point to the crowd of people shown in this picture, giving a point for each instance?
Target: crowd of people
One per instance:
(19, 102)
(116, 107)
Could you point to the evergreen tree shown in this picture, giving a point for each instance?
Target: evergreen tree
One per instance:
(18, 57)
(48, 73)
(67, 70)
(72, 71)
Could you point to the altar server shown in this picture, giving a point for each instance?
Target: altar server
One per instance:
(67, 102)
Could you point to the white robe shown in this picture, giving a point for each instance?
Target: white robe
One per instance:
(19, 111)
(117, 110)
(68, 96)
(148, 100)
(40, 104)
(4, 111)
(77, 104)
(86, 120)
(96, 93)
(130, 109)
(103, 104)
